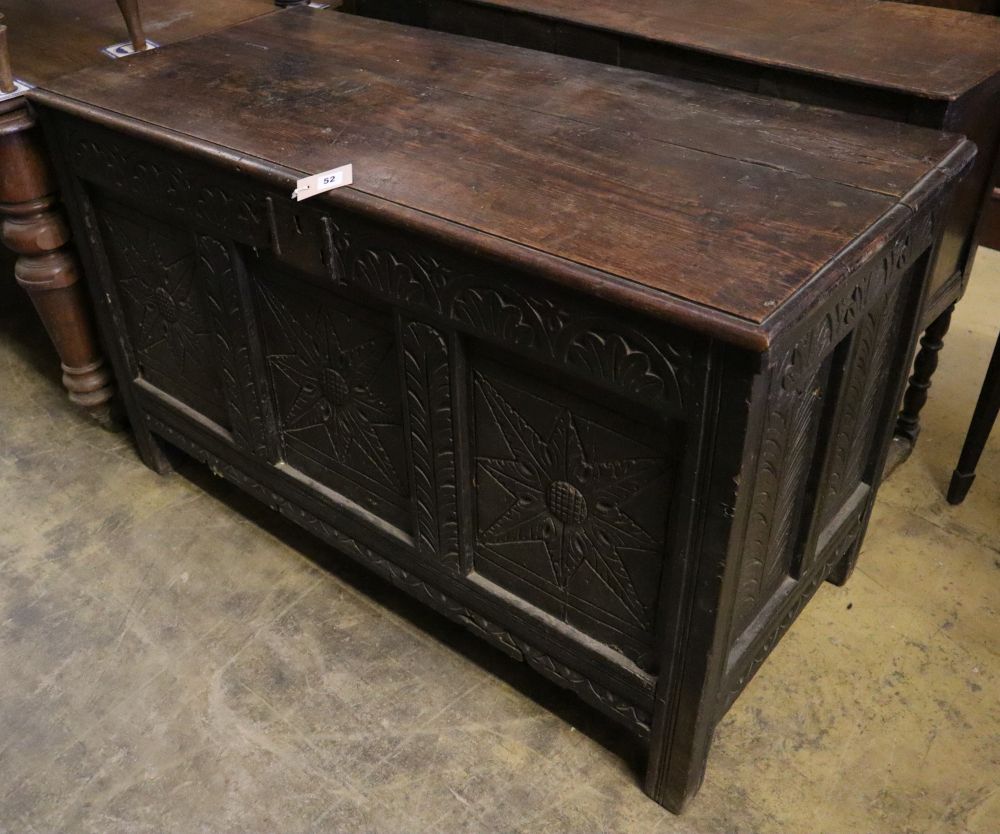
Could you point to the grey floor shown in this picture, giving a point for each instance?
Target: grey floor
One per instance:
(173, 658)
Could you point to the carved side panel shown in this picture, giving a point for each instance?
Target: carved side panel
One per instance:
(571, 502)
(864, 392)
(739, 676)
(826, 396)
(430, 412)
(334, 373)
(155, 267)
(798, 387)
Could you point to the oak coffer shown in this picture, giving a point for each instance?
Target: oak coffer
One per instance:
(595, 364)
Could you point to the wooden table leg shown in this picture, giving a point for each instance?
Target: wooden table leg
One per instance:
(35, 229)
(983, 419)
(133, 22)
(924, 366)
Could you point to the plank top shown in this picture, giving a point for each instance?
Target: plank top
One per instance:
(926, 52)
(50, 38)
(716, 199)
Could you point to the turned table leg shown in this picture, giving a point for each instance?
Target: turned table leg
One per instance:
(983, 419)
(924, 366)
(36, 231)
(130, 11)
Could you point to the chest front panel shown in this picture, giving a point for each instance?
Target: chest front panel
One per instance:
(165, 300)
(512, 443)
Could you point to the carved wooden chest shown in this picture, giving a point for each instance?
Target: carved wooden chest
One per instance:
(594, 364)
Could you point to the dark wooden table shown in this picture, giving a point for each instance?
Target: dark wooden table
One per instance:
(594, 362)
(50, 38)
(927, 66)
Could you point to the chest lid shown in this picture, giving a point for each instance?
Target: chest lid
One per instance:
(711, 207)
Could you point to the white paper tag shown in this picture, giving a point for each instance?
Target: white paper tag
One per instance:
(327, 181)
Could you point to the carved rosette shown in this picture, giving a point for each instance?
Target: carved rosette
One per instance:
(333, 371)
(570, 510)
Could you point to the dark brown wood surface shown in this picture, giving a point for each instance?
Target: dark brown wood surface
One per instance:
(940, 54)
(50, 38)
(717, 199)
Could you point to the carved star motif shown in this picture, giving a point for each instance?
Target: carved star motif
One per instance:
(572, 504)
(159, 285)
(333, 391)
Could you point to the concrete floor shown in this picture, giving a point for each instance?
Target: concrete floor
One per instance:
(173, 658)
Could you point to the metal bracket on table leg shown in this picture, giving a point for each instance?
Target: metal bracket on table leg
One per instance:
(20, 88)
(124, 49)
